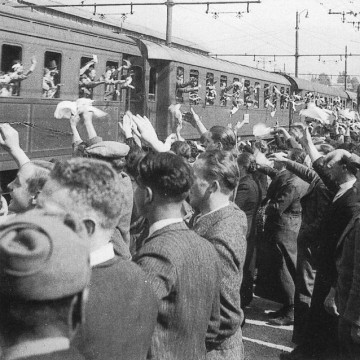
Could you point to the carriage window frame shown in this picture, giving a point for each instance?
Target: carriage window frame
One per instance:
(50, 56)
(6, 66)
(108, 88)
(210, 80)
(266, 93)
(257, 87)
(194, 73)
(247, 90)
(223, 79)
(179, 95)
(83, 61)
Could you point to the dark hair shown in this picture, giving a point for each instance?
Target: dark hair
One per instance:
(40, 175)
(297, 155)
(167, 174)
(221, 166)
(93, 184)
(224, 135)
(194, 151)
(247, 161)
(181, 148)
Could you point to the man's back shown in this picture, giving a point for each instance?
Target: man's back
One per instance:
(121, 313)
(183, 269)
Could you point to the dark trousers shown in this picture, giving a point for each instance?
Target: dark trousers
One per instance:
(320, 333)
(347, 348)
(304, 285)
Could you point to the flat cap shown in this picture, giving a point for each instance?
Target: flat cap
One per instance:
(42, 258)
(108, 149)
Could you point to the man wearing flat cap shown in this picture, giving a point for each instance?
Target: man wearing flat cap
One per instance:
(44, 274)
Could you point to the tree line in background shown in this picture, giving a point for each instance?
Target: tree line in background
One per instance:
(352, 82)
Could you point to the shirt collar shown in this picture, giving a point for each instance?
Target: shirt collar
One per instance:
(37, 347)
(102, 254)
(162, 223)
(343, 188)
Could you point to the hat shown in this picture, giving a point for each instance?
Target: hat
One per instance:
(42, 258)
(108, 149)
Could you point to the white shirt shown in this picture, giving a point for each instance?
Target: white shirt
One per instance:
(162, 223)
(343, 189)
(102, 254)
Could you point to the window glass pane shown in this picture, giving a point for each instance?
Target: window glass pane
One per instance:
(223, 90)
(12, 71)
(51, 81)
(210, 89)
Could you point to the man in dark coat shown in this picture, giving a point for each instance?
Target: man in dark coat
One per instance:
(277, 264)
(224, 225)
(122, 307)
(182, 267)
(44, 275)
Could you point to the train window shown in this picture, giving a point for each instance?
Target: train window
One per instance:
(52, 74)
(287, 97)
(223, 90)
(11, 70)
(194, 97)
(257, 88)
(180, 85)
(87, 80)
(152, 84)
(136, 84)
(266, 95)
(210, 95)
(274, 99)
(247, 93)
(282, 98)
(237, 88)
(111, 77)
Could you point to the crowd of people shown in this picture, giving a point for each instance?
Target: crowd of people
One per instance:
(144, 249)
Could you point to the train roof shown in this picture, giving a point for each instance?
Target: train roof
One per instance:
(111, 23)
(163, 52)
(307, 85)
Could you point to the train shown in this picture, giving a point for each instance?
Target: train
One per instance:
(220, 91)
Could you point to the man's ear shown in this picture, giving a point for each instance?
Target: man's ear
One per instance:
(214, 186)
(90, 226)
(149, 196)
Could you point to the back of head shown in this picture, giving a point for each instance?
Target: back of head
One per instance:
(297, 155)
(225, 136)
(220, 166)
(166, 174)
(181, 148)
(40, 175)
(94, 186)
(247, 161)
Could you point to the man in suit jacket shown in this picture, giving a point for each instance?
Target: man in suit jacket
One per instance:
(182, 267)
(224, 225)
(122, 307)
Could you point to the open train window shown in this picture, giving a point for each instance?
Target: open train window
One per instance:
(180, 85)
(51, 81)
(194, 97)
(247, 92)
(87, 76)
(11, 70)
(210, 95)
(257, 87)
(152, 84)
(282, 97)
(223, 90)
(266, 95)
(111, 88)
(274, 96)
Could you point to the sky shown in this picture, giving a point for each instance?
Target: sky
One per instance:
(269, 28)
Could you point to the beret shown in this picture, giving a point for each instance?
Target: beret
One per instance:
(42, 258)
(108, 149)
